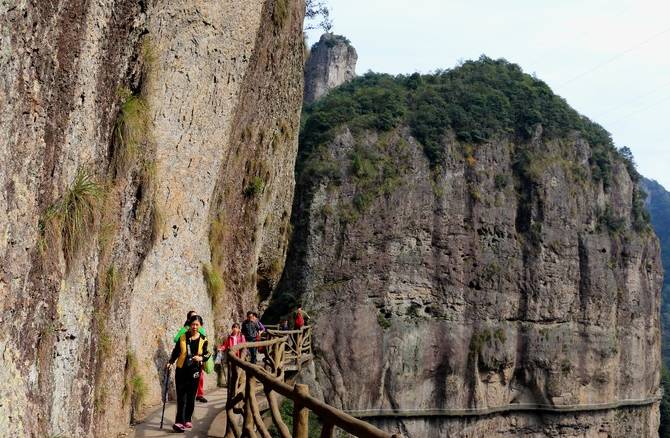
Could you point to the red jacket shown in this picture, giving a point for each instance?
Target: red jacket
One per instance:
(232, 341)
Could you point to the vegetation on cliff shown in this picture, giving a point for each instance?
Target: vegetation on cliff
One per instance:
(477, 101)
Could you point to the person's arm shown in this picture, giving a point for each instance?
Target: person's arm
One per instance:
(205, 351)
(175, 353)
(179, 333)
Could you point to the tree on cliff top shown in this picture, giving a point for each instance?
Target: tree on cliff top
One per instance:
(315, 10)
(477, 101)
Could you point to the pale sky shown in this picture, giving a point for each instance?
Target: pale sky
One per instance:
(610, 59)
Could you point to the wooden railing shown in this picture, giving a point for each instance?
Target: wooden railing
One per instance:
(298, 348)
(243, 412)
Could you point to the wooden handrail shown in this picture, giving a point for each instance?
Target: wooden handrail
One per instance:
(302, 401)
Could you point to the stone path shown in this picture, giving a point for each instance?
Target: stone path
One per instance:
(203, 419)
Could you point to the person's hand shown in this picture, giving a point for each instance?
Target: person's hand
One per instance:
(197, 358)
(168, 366)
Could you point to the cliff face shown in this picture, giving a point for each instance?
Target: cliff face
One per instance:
(473, 275)
(148, 149)
(331, 62)
(658, 204)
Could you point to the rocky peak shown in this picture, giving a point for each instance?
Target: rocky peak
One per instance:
(332, 62)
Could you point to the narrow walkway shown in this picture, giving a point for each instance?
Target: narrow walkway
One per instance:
(203, 417)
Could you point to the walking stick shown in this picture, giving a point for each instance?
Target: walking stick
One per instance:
(165, 390)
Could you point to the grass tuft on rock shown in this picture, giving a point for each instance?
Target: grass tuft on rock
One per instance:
(71, 220)
(280, 12)
(134, 389)
(131, 129)
(213, 281)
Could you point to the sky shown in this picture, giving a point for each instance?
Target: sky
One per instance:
(610, 59)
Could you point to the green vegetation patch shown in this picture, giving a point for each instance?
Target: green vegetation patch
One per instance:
(255, 187)
(476, 102)
(134, 389)
(286, 411)
(213, 281)
(131, 130)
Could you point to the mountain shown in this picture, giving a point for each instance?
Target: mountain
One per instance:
(467, 243)
(658, 204)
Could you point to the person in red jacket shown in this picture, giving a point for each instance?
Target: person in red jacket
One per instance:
(300, 317)
(233, 339)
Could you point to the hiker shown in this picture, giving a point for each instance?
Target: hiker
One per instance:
(283, 324)
(190, 352)
(251, 329)
(300, 317)
(235, 338)
(200, 395)
(261, 327)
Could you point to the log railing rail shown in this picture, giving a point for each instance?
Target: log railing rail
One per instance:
(246, 379)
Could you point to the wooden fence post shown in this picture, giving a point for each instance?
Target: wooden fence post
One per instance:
(327, 430)
(298, 349)
(300, 413)
(248, 424)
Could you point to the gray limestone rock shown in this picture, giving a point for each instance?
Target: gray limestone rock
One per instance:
(478, 286)
(331, 62)
(172, 109)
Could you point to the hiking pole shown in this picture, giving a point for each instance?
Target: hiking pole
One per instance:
(165, 390)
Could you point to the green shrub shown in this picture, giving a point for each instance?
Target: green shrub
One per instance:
(501, 181)
(640, 216)
(383, 321)
(255, 187)
(608, 221)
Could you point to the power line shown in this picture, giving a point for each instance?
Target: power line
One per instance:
(643, 109)
(615, 57)
(582, 34)
(616, 108)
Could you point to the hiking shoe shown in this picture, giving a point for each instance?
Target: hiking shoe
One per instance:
(188, 425)
(201, 399)
(178, 427)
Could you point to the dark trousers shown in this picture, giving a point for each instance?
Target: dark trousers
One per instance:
(252, 354)
(186, 386)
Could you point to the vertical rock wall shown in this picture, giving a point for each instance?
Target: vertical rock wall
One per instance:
(331, 62)
(86, 332)
(488, 283)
